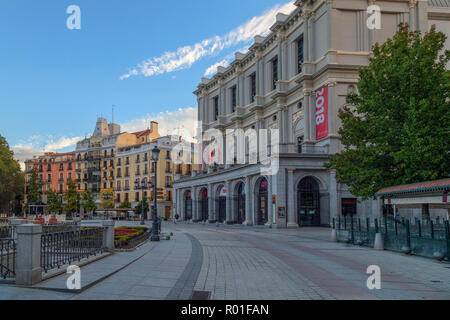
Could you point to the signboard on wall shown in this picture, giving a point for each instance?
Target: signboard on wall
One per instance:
(322, 113)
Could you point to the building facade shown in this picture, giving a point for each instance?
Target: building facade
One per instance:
(135, 174)
(54, 171)
(95, 156)
(294, 80)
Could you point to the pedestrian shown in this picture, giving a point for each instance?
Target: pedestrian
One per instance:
(160, 223)
(176, 218)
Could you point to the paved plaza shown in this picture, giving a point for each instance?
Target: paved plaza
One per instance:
(240, 263)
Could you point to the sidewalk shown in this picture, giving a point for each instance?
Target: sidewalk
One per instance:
(151, 272)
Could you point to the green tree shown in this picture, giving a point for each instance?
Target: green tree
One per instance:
(88, 201)
(12, 179)
(107, 197)
(71, 197)
(125, 205)
(54, 204)
(142, 207)
(34, 190)
(396, 131)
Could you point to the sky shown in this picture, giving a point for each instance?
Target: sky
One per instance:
(145, 57)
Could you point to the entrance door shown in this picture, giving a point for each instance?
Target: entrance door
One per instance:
(167, 212)
(349, 207)
(308, 202)
(188, 206)
(204, 204)
(263, 204)
(241, 203)
(222, 209)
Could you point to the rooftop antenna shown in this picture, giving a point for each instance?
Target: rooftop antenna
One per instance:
(112, 113)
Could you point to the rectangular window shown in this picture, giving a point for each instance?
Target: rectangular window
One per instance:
(300, 144)
(252, 87)
(274, 73)
(300, 56)
(233, 98)
(216, 107)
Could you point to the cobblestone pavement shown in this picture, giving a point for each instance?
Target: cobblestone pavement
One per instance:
(262, 263)
(255, 263)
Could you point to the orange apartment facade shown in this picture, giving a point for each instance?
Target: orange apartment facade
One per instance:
(54, 171)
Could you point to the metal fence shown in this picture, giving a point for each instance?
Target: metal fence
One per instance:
(426, 238)
(64, 247)
(7, 258)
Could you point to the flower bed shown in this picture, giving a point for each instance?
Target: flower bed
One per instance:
(125, 237)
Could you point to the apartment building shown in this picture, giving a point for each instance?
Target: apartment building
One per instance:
(135, 174)
(54, 171)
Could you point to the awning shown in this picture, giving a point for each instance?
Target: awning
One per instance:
(437, 186)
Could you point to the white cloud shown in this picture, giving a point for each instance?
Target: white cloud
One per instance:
(36, 146)
(213, 69)
(186, 56)
(224, 63)
(61, 143)
(179, 122)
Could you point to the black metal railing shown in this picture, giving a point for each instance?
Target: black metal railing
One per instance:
(7, 258)
(420, 237)
(64, 247)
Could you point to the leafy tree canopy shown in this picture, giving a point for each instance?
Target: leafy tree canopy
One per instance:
(396, 130)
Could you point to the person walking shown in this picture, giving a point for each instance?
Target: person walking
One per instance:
(176, 218)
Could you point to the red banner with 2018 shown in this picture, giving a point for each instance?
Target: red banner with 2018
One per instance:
(322, 113)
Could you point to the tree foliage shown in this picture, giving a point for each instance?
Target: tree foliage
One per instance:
(54, 204)
(396, 130)
(88, 201)
(71, 197)
(142, 207)
(107, 197)
(11, 177)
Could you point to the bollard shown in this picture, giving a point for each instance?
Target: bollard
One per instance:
(379, 242)
(28, 256)
(333, 235)
(108, 234)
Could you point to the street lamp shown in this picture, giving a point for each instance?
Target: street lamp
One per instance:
(155, 157)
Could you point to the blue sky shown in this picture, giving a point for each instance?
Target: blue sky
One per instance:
(55, 82)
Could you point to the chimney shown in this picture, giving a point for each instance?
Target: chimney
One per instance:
(154, 127)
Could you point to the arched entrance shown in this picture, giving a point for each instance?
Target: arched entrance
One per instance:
(187, 206)
(221, 207)
(240, 202)
(204, 204)
(308, 199)
(262, 205)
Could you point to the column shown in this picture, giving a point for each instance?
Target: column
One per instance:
(271, 181)
(108, 234)
(195, 216)
(307, 107)
(312, 116)
(28, 259)
(211, 204)
(229, 216)
(333, 196)
(248, 199)
(331, 108)
(292, 219)
(175, 203)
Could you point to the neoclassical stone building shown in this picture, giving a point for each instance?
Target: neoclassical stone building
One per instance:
(295, 80)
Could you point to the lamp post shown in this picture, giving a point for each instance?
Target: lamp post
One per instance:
(155, 157)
